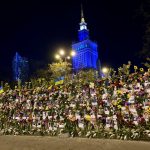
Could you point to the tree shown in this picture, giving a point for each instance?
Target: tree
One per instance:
(147, 64)
(60, 69)
(86, 76)
(145, 13)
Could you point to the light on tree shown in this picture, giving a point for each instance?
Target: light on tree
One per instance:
(57, 56)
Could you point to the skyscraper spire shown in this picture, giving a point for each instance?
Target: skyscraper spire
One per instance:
(82, 14)
(83, 24)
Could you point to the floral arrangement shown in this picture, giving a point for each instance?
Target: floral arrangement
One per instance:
(116, 107)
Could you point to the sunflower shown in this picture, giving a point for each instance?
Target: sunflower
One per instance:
(114, 102)
(148, 110)
(128, 95)
(119, 101)
(119, 92)
(128, 66)
(135, 67)
(87, 117)
(119, 106)
(141, 69)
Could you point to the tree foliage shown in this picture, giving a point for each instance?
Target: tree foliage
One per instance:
(145, 13)
(60, 69)
(147, 64)
(86, 76)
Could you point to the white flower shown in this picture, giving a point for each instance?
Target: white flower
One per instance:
(94, 135)
(125, 137)
(88, 134)
(80, 133)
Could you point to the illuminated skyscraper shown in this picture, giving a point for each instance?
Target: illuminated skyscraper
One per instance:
(20, 68)
(86, 50)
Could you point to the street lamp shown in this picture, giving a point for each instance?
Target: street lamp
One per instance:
(73, 53)
(57, 56)
(105, 70)
(68, 57)
(62, 52)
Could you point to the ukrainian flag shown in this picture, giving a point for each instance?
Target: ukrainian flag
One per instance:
(1, 90)
(59, 81)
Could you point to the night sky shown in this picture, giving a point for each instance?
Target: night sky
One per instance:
(37, 29)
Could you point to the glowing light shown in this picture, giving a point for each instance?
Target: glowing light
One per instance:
(57, 56)
(68, 57)
(105, 70)
(73, 53)
(83, 27)
(61, 52)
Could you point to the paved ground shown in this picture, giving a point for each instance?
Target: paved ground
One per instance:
(56, 143)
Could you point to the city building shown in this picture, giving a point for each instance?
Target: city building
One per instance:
(86, 50)
(20, 68)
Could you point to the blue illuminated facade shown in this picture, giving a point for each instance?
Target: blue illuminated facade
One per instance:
(86, 50)
(20, 68)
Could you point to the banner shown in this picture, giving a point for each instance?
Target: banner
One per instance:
(59, 81)
(1, 90)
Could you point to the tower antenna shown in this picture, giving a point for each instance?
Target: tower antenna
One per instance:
(82, 14)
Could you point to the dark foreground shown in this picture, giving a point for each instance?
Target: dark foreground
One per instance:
(56, 143)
